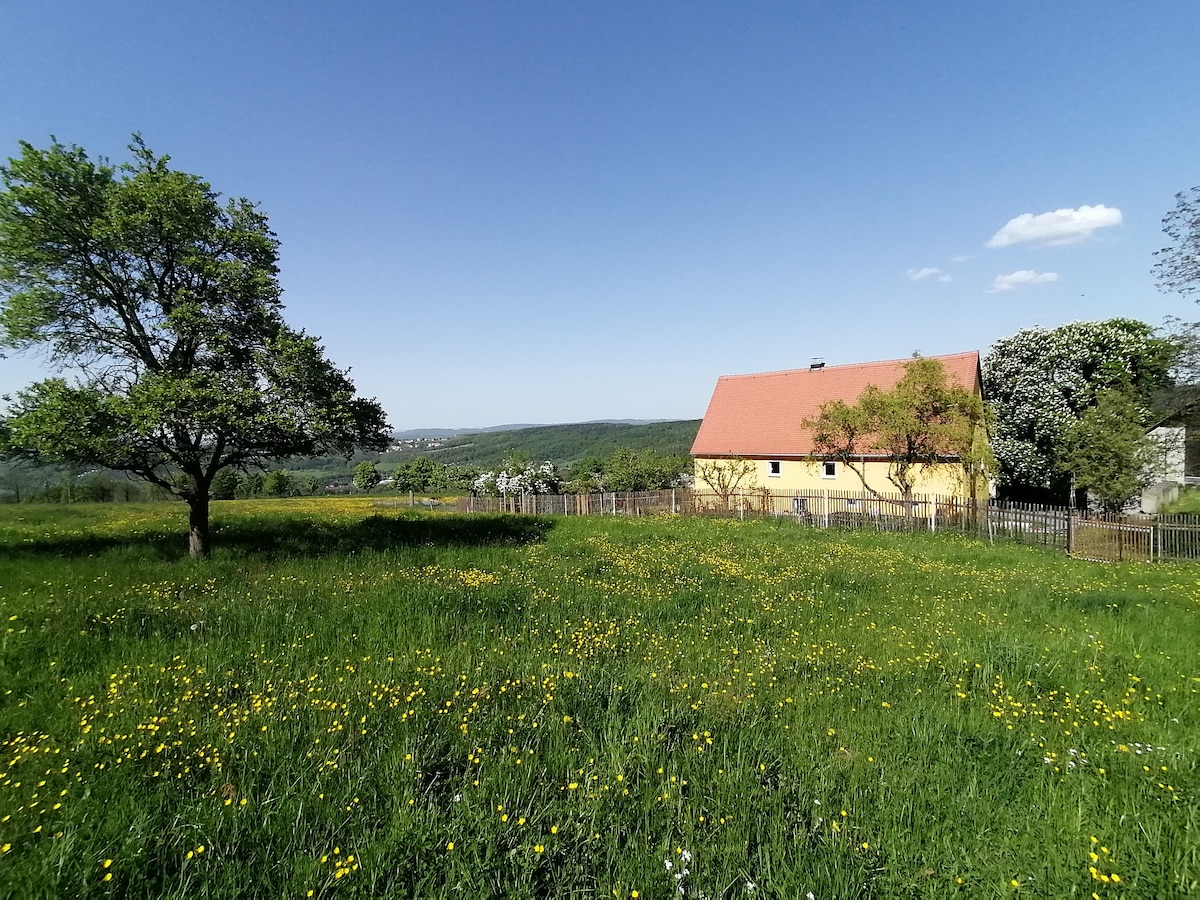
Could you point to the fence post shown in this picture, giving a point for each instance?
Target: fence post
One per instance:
(674, 508)
(932, 513)
(825, 507)
(1070, 532)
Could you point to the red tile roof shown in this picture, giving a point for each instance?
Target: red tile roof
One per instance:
(760, 415)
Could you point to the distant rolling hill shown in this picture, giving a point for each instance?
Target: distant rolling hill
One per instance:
(561, 444)
(459, 432)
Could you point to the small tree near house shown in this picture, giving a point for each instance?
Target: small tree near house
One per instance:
(727, 476)
(921, 424)
(1108, 452)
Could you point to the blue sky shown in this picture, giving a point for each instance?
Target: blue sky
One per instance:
(551, 212)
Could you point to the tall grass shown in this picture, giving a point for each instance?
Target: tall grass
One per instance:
(348, 702)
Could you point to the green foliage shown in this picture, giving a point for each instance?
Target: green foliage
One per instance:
(165, 305)
(643, 470)
(95, 488)
(1040, 381)
(627, 469)
(225, 485)
(278, 483)
(1108, 451)
(852, 715)
(922, 424)
(251, 484)
(366, 476)
(422, 474)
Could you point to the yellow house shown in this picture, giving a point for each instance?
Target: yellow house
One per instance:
(753, 428)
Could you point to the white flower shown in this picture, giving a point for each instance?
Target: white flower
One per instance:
(751, 886)
(685, 855)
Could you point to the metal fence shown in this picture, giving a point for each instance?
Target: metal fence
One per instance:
(1087, 535)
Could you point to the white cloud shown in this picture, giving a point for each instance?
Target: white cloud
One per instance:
(1014, 280)
(926, 274)
(1063, 226)
(959, 259)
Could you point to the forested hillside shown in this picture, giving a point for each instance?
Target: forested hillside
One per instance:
(561, 444)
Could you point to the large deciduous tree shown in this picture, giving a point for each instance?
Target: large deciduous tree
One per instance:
(922, 424)
(159, 306)
(1040, 381)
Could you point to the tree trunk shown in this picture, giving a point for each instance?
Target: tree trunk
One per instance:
(198, 543)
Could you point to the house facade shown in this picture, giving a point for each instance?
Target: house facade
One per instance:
(754, 423)
(1180, 464)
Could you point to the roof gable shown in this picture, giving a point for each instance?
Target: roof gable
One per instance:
(760, 415)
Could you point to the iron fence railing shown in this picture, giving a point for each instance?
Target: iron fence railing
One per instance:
(1085, 534)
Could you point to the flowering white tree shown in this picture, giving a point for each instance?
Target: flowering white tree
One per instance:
(518, 476)
(1040, 381)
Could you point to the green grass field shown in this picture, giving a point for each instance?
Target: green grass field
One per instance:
(354, 702)
(1188, 502)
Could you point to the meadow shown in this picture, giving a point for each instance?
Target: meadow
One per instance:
(356, 702)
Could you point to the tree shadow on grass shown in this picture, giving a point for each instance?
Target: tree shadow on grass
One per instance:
(286, 536)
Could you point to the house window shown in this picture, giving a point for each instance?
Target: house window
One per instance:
(773, 468)
(829, 470)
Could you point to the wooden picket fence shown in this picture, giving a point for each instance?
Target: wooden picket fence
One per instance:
(1087, 535)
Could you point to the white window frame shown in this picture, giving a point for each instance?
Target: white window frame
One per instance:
(774, 468)
(825, 468)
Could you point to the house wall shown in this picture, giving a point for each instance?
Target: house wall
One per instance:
(1164, 484)
(1172, 441)
(803, 474)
